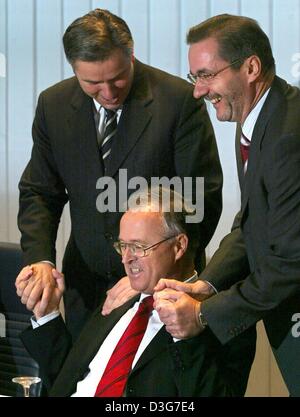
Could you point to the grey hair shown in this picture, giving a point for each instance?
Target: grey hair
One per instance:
(174, 210)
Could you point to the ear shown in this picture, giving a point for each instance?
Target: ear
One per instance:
(253, 67)
(181, 245)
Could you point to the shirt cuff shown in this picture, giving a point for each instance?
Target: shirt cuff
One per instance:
(48, 262)
(45, 319)
(207, 282)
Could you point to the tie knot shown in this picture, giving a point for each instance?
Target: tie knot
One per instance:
(110, 113)
(146, 306)
(244, 140)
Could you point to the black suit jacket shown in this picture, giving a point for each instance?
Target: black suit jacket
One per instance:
(261, 256)
(200, 366)
(162, 132)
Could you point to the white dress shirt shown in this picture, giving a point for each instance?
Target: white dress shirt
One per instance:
(249, 123)
(87, 387)
(100, 113)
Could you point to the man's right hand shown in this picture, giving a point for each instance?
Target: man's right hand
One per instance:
(35, 284)
(53, 304)
(200, 290)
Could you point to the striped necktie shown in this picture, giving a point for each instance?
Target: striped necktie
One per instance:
(110, 130)
(114, 378)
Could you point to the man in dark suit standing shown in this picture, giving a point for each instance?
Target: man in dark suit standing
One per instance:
(256, 270)
(155, 240)
(117, 116)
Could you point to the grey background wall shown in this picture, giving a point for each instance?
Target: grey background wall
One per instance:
(31, 58)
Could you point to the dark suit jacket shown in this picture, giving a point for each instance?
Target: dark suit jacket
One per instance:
(162, 131)
(261, 256)
(200, 366)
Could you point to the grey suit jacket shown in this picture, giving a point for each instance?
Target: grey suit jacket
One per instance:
(260, 258)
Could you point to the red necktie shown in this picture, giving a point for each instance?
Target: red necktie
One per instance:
(115, 376)
(245, 146)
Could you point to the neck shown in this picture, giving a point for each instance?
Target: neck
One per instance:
(185, 268)
(261, 86)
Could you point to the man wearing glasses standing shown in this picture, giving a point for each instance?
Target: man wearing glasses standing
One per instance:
(232, 67)
(155, 241)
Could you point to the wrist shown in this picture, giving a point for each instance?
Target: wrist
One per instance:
(201, 319)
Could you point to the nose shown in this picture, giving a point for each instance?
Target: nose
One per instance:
(127, 256)
(200, 89)
(108, 91)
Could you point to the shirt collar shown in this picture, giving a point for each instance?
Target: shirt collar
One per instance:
(98, 106)
(249, 123)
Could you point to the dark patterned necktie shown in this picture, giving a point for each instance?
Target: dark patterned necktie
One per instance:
(114, 378)
(111, 126)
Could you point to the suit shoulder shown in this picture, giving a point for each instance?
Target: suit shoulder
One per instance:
(65, 87)
(167, 80)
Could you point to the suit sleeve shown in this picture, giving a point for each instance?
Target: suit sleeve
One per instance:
(202, 367)
(49, 346)
(275, 277)
(230, 262)
(196, 155)
(42, 196)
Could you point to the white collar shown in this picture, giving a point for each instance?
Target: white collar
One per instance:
(249, 123)
(98, 106)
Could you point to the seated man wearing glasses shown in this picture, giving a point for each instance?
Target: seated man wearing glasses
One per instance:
(155, 241)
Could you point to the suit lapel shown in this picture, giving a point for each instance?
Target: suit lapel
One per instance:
(271, 103)
(99, 328)
(158, 343)
(239, 162)
(133, 121)
(77, 364)
(82, 127)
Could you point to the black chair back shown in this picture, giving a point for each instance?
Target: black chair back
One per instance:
(14, 318)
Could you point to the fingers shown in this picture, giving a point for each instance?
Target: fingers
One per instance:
(22, 279)
(109, 307)
(167, 294)
(49, 301)
(172, 283)
(40, 279)
(60, 280)
(118, 295)
(24, 274)
(179, 312)
(163, 283)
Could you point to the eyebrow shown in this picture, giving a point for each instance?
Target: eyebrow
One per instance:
(202, 71)
(101, 81)
(138, 242)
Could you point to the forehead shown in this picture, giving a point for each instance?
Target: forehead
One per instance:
(143, 226)
(108, 68)
(204, 55)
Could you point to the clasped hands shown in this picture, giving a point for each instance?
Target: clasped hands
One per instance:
(40, 287)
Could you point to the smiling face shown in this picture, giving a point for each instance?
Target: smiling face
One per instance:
(228, 91)
(109, 81)
(146, 228)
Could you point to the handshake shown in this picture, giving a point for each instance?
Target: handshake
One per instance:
(40, 287)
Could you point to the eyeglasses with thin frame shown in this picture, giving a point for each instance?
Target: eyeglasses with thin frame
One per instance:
(207, 77)
(136, 249)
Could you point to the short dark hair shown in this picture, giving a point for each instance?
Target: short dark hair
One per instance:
(94, 37)
(238, 38)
